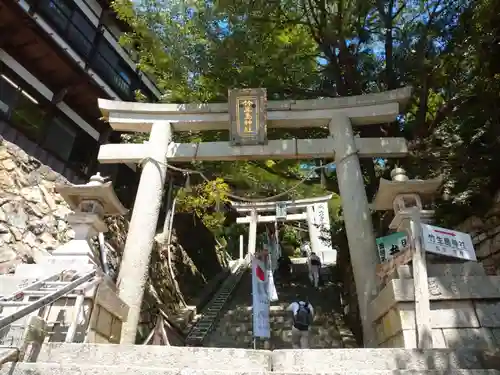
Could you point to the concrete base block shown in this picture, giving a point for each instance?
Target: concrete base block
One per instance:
(50, 369)
(465, 308)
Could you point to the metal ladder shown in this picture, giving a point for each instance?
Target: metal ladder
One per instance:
(210, 314)
(16, 308)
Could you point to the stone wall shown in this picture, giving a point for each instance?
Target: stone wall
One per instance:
(32, 215)
(485, 232)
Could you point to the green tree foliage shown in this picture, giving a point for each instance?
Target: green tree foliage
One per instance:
(206, 201)
(447, 50)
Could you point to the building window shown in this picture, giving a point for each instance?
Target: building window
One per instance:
(55, 141)
(28, 116)
(84, 152)
(81, 33)
(60, 138)
(57, 11)
(71, 22)
(111, 66)
(8, 94)
(21, 108)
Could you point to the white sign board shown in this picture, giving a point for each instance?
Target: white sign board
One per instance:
(260, 299)
(280, 211)
(447, 242)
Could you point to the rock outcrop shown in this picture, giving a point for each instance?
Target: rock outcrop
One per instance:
(32, 215)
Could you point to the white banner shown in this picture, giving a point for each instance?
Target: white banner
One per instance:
(273, 293)
(272, 246)
(272, 265)
(260, 299)
(322, 217)
(319, 232)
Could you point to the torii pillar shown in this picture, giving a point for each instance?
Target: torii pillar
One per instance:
(142, 229)
(357, 219)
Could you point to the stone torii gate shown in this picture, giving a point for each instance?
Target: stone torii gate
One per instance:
(247, 116)
(319, 230)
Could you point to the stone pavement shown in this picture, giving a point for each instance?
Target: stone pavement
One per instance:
(234, 329)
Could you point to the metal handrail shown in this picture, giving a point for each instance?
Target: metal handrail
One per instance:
(45, 301)
(197, 334)
(19, 292)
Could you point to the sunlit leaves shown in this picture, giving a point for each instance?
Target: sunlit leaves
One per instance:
(447, 50)
(206, 200)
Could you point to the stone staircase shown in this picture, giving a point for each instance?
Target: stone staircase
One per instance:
(210, 314)
(106, 359)
(234, 329)
(328, 333)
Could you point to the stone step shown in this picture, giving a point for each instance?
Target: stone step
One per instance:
(287, 360)
(326, 360)
(24, 368)
(156, 356)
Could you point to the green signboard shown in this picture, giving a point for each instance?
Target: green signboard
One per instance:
(390, 245)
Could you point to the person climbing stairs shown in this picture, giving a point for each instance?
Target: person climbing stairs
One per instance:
(234, 328)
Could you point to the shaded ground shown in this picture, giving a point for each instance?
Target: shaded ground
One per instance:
(329, 330)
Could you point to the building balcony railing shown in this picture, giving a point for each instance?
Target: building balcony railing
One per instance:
(87, 40)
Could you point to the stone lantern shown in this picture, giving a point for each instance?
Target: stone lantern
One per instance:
(90, 202)
(404, 197)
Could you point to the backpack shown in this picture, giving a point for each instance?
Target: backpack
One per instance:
(315, 262)
(303, 318)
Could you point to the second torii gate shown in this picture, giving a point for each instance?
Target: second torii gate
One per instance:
(314, 211)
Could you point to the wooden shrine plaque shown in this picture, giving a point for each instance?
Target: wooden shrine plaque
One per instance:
(248, 117)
